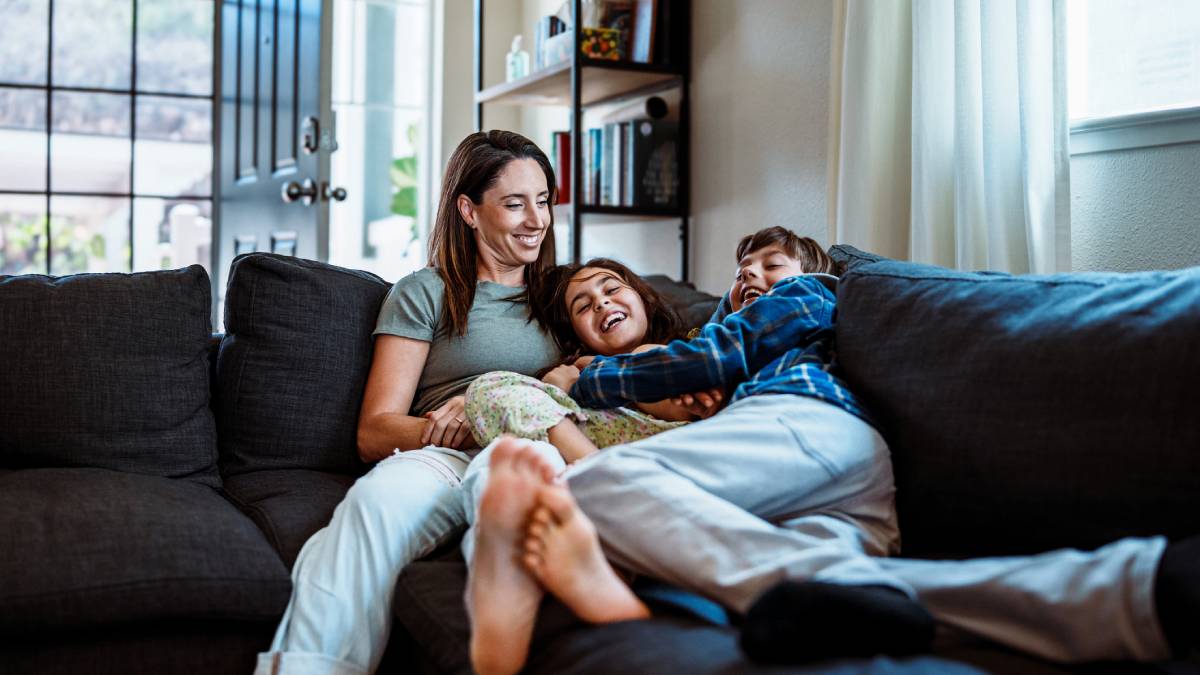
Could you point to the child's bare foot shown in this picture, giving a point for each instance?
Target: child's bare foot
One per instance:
(502, 598)
(563, 553)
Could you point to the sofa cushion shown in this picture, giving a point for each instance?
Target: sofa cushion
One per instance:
(108, 371)
(849, 257)
(90, 547)
(288, 505)
(293, 363)
(1026, 413)
(693, 306)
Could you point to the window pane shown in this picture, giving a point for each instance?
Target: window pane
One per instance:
(173, 150)
(23, 137)
(88, 234)
(169, 234)
(23, 43)
(89, 143)
(376, 227)
(1129, 56)
(380, 53)
(93, 43)
(22, 234)
(174, 46)
(409, 70)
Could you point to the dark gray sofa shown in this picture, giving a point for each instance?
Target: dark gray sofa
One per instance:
(156, 485)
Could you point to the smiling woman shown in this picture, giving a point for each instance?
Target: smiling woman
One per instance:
(439, 329)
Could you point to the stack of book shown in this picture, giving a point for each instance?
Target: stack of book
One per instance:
(633, 163)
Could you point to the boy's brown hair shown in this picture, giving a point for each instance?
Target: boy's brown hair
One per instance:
(812, 257)
(663, 324)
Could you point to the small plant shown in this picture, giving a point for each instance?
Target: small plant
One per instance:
(404, 181)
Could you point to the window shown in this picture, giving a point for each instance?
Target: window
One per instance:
(381, 97)
(1133, 73)
(106, 121)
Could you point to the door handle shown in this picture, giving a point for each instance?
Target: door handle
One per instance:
(305, 192)
(332, 194)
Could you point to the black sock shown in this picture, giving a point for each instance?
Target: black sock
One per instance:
(1177, 595)
(797, 621)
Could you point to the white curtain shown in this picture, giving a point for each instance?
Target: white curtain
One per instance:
(948, 139)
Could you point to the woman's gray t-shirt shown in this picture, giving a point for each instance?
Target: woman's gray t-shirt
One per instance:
(499, 336)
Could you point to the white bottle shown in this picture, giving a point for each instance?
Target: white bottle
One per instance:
(517, 63)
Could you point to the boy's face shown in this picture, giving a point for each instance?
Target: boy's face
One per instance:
(758, 271)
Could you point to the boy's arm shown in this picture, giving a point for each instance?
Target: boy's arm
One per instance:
(725, 354)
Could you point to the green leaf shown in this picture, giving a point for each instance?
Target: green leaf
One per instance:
(404, 172)
(404, 202)
(412, 135)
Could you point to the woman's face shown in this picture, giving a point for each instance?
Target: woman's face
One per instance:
(758, 271)
(511, 222)
(607, 315)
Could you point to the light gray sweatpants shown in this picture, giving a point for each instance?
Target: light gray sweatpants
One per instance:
(789, 487)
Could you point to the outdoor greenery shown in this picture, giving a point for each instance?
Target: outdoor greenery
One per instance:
(404, 181)
(23, 245)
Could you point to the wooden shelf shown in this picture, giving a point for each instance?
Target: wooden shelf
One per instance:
(616, 214)
(602, 82)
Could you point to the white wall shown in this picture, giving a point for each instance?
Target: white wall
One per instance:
(1136, 209)
(760, 107)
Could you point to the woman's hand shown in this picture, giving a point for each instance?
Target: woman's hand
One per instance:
(563, 377)
(447, 426)
(702, 404)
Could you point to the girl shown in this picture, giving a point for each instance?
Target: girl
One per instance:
(600, 307)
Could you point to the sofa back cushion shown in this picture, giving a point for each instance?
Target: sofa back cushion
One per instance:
(108, 371)
(1026, 413)
(293, 363)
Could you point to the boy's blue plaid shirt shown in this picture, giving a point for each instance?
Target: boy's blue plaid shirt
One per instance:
(781, 343)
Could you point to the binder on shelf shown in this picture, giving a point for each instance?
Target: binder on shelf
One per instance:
(654, 163)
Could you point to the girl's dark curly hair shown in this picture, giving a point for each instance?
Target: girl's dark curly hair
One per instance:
(663, 324)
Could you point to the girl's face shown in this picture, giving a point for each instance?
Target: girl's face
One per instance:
(606, 313)
(511, 222)
(758, 271)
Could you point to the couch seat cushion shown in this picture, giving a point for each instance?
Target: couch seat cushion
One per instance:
(87, 547)
(288, 504)
(1027, 413)
(108, 371)
(293, 364)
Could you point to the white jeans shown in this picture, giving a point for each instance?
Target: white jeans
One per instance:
(789, 487)
(340, 614)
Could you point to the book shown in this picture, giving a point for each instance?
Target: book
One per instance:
(596, 147)
(607, 139)
(628, 170)
(641, 48)
(562, 165)
(654, 163)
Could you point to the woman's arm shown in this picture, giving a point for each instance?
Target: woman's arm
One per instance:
(384, 423)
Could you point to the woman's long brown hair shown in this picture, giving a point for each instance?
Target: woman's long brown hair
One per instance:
(473, 169)
(662, 322)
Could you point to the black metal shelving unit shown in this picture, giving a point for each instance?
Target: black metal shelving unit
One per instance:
(581, 83)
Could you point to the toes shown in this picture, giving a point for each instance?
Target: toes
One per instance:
(505, 451)
(536, 531)
(559, 502)
(541, 515)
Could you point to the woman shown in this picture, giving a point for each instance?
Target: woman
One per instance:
(438, 329)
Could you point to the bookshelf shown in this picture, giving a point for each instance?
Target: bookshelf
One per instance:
(581, 83)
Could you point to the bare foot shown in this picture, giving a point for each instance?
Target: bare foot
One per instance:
(502, 598)
(563, 553)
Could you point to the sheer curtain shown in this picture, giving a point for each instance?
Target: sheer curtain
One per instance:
(948, 139)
